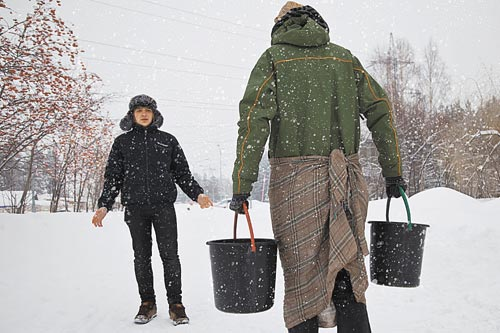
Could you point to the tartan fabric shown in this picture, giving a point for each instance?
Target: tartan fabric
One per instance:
(318, 212)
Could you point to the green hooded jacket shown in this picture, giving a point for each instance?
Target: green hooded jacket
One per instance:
(306, 94)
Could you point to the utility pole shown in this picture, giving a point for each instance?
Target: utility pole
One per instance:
(262, 196)
(221, 196)
(33, 206)
(394, 65)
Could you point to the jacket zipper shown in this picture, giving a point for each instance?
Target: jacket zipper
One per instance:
(147, 165)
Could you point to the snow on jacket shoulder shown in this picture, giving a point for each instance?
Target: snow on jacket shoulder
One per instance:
(144, 165)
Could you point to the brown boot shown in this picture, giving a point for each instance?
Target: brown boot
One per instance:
(178, 314)
(147, 311)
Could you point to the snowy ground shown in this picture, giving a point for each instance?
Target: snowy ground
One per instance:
(59, 274)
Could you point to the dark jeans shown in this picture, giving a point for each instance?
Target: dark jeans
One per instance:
(140, 221)
(351, 315)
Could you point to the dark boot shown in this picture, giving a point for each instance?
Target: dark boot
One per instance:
(147, 311)
(308, 326)
(351, 315)
(177, 313)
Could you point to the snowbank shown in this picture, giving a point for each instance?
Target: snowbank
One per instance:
(59, 274)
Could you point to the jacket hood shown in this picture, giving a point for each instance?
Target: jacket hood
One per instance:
(302, 27)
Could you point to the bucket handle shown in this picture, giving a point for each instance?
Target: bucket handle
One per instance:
(405, 199)
(252, 238)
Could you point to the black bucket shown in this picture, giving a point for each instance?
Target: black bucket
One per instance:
(243, 272)
(396, 251)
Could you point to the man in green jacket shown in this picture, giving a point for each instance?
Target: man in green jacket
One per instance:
(306, 95)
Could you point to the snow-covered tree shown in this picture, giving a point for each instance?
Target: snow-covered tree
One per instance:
(46, 93)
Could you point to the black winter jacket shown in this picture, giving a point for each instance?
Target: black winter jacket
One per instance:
(145, 164)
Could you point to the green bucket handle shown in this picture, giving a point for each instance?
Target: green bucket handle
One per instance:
(408, 214)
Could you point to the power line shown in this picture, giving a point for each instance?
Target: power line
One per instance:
(167, 106)
(229, 126)
(228, 106)
(163, 68)
(175, 20)
(192, 107)
(162, 54)
(197, 102)
(205, 16)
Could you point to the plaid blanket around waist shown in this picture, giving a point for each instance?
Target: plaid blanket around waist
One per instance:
(318, 212)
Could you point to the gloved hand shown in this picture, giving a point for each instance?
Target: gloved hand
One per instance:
(392, 185)
(237, 201)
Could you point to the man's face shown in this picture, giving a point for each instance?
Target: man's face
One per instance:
(143, 116)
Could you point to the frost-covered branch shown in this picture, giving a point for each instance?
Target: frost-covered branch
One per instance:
(486, 132)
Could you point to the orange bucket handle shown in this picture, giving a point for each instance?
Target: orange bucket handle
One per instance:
(235, 225)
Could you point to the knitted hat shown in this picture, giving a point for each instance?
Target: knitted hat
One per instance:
(286, 8)
(138, 101)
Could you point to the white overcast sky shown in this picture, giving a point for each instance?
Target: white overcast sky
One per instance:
(194, 57)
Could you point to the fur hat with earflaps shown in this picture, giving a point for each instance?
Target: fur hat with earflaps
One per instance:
(138, 101)
(289, 5)
(294, 9)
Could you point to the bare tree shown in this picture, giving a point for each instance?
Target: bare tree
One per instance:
(414, 90)
(471, 163)
(434, 80)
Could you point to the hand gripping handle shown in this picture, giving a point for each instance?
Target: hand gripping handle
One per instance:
(252, 238)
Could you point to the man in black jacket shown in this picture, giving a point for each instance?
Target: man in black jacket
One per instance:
(144, 165)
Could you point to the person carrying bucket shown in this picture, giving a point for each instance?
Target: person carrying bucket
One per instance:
(307, 96)
(145, 164)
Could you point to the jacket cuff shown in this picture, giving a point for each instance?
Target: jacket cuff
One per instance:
(196, 193)
(390, 173)
(108, 207)
(245, 187)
